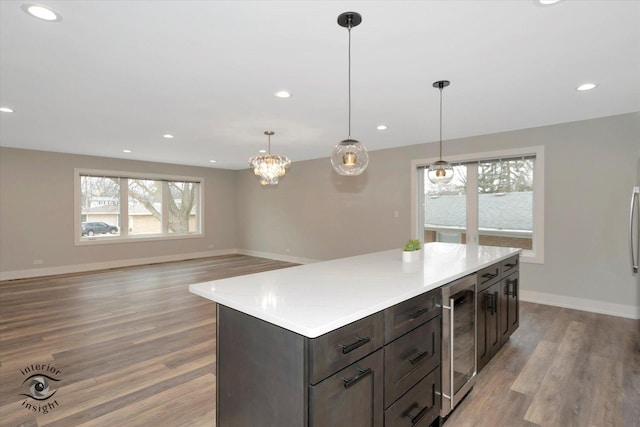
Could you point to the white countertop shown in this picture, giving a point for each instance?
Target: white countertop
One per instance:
(314, 299)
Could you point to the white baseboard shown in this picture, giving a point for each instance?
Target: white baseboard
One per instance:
(278, 257)
(602, 307)
(80, 268)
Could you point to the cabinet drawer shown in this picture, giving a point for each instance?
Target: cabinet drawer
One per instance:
(352, 397)
(403, 317)
(510, 265)
(337, 349)
(488, 276)
(410, 358)
(419, 407)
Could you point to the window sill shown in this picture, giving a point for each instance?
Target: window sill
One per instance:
(106, 240)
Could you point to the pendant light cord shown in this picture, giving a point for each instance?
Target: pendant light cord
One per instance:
(269, 145)
(349, 30)
(441, 121)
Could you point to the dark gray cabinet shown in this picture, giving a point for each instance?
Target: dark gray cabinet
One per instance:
(419, 407)
(488, 332)
(413, 334)
(381, 371)
(350, 397)
(410, 358)
(498, 307)
(509, 306)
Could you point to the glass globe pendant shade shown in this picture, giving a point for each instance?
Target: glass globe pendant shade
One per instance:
(349, 158)
(440, 172)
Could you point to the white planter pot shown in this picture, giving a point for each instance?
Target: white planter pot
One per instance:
(411, 256)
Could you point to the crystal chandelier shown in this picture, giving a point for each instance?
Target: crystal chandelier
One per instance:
(270, 167)
(440, 172)
(349, 157)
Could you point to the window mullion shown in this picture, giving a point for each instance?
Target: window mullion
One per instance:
(124, 207)
(472, 203)
(420, 222)
(164, 205)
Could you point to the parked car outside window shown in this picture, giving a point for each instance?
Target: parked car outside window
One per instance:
(93, 228)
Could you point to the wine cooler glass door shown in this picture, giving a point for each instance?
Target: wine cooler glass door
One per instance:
(464, 336)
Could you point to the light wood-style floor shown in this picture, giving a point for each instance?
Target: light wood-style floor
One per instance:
(135, 348)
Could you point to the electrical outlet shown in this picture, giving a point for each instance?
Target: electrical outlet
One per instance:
(211, 246)
(38, 262)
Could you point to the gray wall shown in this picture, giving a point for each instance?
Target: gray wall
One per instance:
(37, 202)
(590, 169)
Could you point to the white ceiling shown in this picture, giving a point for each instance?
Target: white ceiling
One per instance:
(116, 75)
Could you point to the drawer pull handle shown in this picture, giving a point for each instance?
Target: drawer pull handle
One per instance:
(511, 265)
(418, 358)
(491, 303)
(419, 416)
(489, 276)
(494, 307)
(512, 287)
(350, 347)
(419, 312)
(348, 382)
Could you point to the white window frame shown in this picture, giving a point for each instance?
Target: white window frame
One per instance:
(124, 236)
(536, 255)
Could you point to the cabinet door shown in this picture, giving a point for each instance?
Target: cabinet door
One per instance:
(350, 398)
(402, 318)
(488, 339)
(488, 276)
(419, 407)
(509, 306)
(410, 358)
(338, 349)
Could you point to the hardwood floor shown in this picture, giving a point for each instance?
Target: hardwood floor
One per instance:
(135, 348)
(560, 368)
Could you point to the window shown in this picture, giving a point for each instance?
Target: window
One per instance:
(445, 208)
(117, 206)
(494, 199)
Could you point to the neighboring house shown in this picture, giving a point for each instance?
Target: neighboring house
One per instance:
(505, 219)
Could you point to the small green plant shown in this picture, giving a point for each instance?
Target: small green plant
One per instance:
(411, 245)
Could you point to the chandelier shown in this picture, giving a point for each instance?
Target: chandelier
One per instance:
(270, 167)
(349, 157)
(440, 172)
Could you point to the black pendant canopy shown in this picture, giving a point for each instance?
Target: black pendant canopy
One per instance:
(349, 19)
(440, 84)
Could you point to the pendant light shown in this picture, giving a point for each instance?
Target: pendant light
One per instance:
(349, 157)
(440, 172)
(270, 167)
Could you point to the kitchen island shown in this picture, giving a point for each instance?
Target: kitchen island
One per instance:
(308, 345)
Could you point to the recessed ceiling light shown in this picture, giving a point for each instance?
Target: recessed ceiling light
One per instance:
(6, 110)
(212, 161)
(126, 151)
(167, 135)
(547, 2)
(382, 127)
(282, 94)
(42, 12)
(586, 86)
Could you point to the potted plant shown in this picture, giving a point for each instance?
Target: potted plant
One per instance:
(411, 251)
